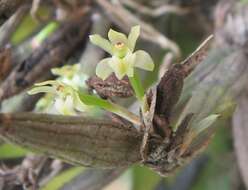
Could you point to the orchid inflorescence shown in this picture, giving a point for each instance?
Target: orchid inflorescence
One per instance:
(69, 96)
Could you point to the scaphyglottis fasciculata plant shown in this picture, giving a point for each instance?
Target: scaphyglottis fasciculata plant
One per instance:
(69, 91)
(70, 98)
(161, 143)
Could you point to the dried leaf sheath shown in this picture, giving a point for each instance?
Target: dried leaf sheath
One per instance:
(85, 141)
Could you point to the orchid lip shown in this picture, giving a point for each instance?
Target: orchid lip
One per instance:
(119, 45)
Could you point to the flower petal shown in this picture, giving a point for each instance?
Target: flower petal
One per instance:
(129, 61)
(66, 71)
(102, 43)
(115, 37)
(118, 67)
(42, 89)
(79, 105)
(48, 82)
(65, 106)
(143, 60)
(58, 104)
(57, 71)
(103, 70)
(133, 36)
(130, 71)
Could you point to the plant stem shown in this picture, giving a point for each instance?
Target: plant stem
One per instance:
(109, 106)
(123, 112)
(139, 92)
(137, 86)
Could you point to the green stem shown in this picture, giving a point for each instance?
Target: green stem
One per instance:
(137, 86)
(139, 91)
(123, 112)
(109, 106)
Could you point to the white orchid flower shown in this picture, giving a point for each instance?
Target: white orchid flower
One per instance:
(71, 75)
(123, 59)
(67, 100)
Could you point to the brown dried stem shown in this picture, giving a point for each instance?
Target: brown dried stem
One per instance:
(7, 8)
(10, 25)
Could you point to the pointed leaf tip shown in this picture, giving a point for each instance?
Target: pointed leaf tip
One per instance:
(205, 123)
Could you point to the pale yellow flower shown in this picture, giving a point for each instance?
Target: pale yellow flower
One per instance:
(67, 100)
(124, 58)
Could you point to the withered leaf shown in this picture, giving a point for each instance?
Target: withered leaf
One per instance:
(111, 87)
(170, 86)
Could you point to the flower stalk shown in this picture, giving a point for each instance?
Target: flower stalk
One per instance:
(109, 106)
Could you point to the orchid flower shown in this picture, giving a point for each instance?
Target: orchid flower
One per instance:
(71, 75)
(67, 100)
(124, 58)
